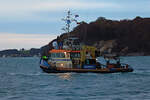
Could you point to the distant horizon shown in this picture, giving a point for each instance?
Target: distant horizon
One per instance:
(19, 41)
(33, 18)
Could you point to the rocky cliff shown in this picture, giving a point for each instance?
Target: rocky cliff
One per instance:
(123, 36)
(126, 37)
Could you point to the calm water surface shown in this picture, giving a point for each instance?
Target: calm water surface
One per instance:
(22, 79)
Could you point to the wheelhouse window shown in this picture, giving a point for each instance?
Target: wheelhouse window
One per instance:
(90, 61)
(75, 55)
(57, 55)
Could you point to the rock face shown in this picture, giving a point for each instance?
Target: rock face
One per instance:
(105, 46)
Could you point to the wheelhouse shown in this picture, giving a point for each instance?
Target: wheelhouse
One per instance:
(60, 58)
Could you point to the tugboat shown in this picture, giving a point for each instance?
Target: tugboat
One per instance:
(73, 56)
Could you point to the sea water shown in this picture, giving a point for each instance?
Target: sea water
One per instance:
(22, 79)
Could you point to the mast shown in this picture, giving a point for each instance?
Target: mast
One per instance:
(68, 20)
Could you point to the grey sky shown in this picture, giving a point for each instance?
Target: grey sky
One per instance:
(44, 16)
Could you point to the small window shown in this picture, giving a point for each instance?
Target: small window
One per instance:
(52, 55)
(62, 55)
(75, 55)
(90, 61)
(57, 55)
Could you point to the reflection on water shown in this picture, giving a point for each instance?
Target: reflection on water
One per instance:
(65, 76)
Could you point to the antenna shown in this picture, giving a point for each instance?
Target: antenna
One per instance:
(68, 20)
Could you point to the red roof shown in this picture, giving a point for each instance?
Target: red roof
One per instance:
(62, 51)
(58, 51)
(76, 51)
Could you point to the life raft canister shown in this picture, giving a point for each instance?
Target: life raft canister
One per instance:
(44, 57)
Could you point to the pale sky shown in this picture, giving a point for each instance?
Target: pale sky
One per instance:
(33, 23)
